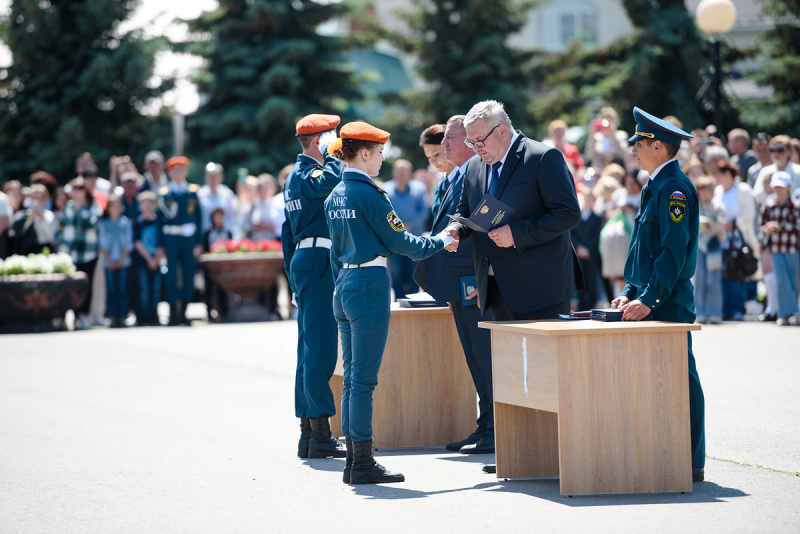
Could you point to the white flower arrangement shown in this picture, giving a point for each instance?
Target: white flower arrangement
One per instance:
(37, 264)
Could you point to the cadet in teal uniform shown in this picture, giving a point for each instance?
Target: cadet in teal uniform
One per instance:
(365, 231)
(182, 237)
(663, 253)
(306, 255)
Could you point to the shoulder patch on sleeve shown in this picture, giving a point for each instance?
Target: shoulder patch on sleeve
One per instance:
(316, 173)
(395, 222)
(193, 188)
(163, 191)
(677, 209)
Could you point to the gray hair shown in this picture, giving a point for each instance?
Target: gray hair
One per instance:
(715, 151)
(489, 111)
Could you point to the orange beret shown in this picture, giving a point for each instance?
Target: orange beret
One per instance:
(363, 132)
(177, 160)
(317, 123)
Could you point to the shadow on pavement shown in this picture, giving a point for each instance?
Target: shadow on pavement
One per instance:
(325, 464)
(548, 488)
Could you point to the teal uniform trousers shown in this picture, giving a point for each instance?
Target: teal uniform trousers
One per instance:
(311, 280)
(662, 257)
(364, 227)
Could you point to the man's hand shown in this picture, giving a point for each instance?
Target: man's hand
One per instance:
(619, 302)
(474, 295)
(634, 310)
(453, 246)
(502, 236)
(198, 249)
(582, 252)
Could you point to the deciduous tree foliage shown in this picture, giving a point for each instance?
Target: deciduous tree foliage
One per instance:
(76, 84)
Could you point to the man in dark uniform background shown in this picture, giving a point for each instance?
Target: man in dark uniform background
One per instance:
(446, 276)
(182, 243)
(663, 253)
(306, 255)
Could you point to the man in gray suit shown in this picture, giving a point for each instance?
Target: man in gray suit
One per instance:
(444, 276)
(525, 269)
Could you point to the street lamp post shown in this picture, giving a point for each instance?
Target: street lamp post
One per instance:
(716, 17)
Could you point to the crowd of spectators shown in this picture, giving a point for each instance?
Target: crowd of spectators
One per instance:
(110, 227)
(749, 191)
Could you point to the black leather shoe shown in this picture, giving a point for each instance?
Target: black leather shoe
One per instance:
(322, 443)
(305, 438)
(456, 446)
(490, 469)
(366, 470)
(768, 317)
(698, 474)
(348, 462)
(485, 445)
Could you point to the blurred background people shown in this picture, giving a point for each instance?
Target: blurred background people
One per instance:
(79, 239)
(409, 199)
(740, 218)
(606, 144)
(35, 227)
(708, 274)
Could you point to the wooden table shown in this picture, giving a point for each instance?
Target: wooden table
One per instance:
(604, 406)
(425, 395)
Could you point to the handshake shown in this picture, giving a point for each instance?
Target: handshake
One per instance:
(450, 238)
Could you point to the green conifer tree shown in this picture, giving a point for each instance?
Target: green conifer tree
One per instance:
(658, 67)
(76, 84)
(780, 69)
(267, 66)
(461, 52)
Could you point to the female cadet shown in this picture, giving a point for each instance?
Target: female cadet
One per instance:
(364, 231)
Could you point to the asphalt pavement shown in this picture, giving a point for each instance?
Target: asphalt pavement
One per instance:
(192, 429)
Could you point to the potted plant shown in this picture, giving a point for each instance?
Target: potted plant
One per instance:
(244, 269)
(40, 287)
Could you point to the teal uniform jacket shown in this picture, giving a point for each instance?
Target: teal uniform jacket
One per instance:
(663, 247)
(304, 193)
(309, 273)
(363, 224)
(661, 261)
(178, 209)
(180, 212)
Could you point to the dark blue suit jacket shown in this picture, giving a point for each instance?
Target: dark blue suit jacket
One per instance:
(440, 275)
(541, 270)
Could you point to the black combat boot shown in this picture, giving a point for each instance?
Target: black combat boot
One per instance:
(323, 444)
(366, 470)
(182, 317)
(173, 316)
(305, 438)
(348, 463)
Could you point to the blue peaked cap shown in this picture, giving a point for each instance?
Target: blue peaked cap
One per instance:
(650, 127)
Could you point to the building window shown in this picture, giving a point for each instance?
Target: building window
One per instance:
(564, 21)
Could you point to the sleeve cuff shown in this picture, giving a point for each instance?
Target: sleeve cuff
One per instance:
(649, 299)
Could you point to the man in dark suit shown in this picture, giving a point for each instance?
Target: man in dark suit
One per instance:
(445, 275)
(586, 240)
(525, 269)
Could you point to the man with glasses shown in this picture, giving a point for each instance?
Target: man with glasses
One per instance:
(780, 151)
(524, 269)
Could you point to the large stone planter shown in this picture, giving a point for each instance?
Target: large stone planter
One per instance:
(40, 297)
(244, 276)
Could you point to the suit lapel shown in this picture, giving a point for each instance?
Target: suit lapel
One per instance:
(508, 167)
(449, 195)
